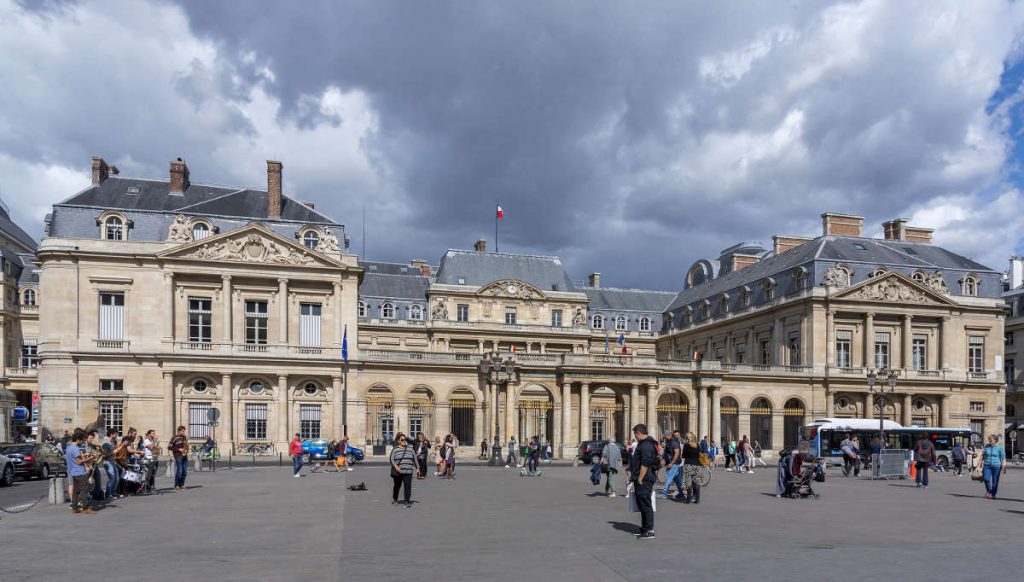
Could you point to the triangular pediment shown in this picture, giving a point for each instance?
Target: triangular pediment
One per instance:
(512, 288)
(252, 243)
(894, 288)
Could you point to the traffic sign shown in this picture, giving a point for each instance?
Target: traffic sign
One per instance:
(19, 413)
(212, 415)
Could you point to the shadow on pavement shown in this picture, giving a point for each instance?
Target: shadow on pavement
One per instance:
(1017, 511)
(623, 526)
(910, 486)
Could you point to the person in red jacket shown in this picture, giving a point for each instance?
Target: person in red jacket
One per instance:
(295, 450)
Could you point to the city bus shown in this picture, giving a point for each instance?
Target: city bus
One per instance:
(823, 437)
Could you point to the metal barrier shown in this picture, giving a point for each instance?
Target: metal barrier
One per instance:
(891, 464)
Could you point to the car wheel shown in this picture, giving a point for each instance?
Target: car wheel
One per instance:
(44, 473)
(350, 459)
(7, 479)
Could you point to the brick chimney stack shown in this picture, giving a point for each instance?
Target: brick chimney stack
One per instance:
(179, 176)
(897, 229)
(100, 170)
(273, 189)
(783, 242)
(420, 265)
(594, 281)
(480, 246)
(834, 224)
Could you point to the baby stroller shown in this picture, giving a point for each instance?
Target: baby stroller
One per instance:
(799, 487)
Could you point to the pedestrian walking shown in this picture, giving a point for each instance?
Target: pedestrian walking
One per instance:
(972, 456)
(849, 459)
(643, 470)
(993, 462)
(483, 450)
(422, 452)
(438, 446)
(448, 454)
(691, 461)
(730, 454)
(757, 456)
(924, 456)
(959, 456)
(673, 467)
(295, 450)
(713, 454)
(611, 462)
(533, 454)
(179, 450)
(512, 459)
(403, 467)
(748, 455)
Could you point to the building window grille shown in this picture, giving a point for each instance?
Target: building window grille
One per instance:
(198, 420)
(29, 355)
(741, 353)
(794, 349)
(255, 421)
(200, 231)
(416, 313)
(111, 385)
(309, 324)
(977, 406)
(766, 352)
(112, 316)
(844, 341)
(311, 239)
(112, 412)
(362, 309)
(309, 421)
(510, 316)
(29, 297)
(113, 228)
(598, 322)
(387, 311)
(881, 350)
(919, 353)
(620, 323)
(645, 324)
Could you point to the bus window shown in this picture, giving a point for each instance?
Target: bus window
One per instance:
(943, 442)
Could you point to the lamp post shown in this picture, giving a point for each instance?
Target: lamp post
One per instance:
(877, 381)
(499, 371)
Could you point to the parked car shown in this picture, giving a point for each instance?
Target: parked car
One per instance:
(6, 471)
(591, 450)
(33, 459)
(316, 450)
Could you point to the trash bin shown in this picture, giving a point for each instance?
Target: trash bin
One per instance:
(58, 490)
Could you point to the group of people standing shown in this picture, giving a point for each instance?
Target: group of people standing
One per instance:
(410, 458)
(742, 455)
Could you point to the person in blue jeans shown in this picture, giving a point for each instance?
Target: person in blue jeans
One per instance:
(924, 457)
(179, 449)
(993, 462)
(673, 467)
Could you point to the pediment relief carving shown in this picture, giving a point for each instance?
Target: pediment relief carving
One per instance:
(513, 289)
(254, 244)
(893, 288)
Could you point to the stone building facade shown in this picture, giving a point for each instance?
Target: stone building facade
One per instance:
(166, 299)
(19, 320)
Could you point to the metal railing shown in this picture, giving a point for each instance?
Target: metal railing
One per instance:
(107, 344)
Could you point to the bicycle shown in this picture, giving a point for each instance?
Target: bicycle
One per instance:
(210, 455)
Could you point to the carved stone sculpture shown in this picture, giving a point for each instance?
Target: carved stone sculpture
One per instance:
(253, 248)
(328, 243)
(580, 318)
(439, 311)
(890, 290)
(935, 282)
(837, 277)
(179, 231)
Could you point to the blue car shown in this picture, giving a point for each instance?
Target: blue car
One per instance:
(316, 450)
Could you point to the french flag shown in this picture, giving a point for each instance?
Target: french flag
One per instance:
(501, 213)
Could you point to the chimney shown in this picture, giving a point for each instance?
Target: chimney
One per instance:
(740, 260)
(897, 229)
(273, 189)
(594, 281)
(1016, 272)
(100, 170)
(179, 177)
(421, 265)
(309, 205)
(919, 235)
(480, 246)
(784, 243)
(842, 224)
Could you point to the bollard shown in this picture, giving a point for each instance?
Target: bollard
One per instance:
(198, 462)
(58, 490)
(169, 473)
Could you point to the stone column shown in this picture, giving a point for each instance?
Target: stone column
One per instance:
(869, 340)
(584, 411)
(830, 403)
(443, 422)
(556, 439)
(337, 332)
(908, 342)
(169, 310)
(830, 339)
(169, 406)
(492, 402)
(945, 343)
(944, 411)
(282, 310)
(779, 342)
(566, 417)
(226, 437)
(336, 387)
(702, 410)
(510, 410)
(652, 406)
(716, 412)
(634, 406)
(905, 417)
(226, 330)
(478, 421)
(283, 410)
(753, 352)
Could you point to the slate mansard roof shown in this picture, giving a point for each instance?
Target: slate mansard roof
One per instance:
(480, 268)
(611, 299)
(392, 281)
(15, 232)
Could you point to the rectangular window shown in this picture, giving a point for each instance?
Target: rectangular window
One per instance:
(794, 349)
(976, 354)
(597, 430)
(844, 340)
(462, 312)
(255, 322)
(1010, 372)
(919, 352)
(766, 352)
(1008, 338)
(29, 354)
(200, 320)
(741, 353)
(415, 425)
(256, 422)
(198, 420)
(309, 421)
(111, 316)
(881, 349)
(111, 385)
(510, 316)
(978, 430)
(309, 324)
(977, 406)
(112, 412)
(556, 318)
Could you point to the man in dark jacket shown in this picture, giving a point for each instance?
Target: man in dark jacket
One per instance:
(643, 470)
(924, 456)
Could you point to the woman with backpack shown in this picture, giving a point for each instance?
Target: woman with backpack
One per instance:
(403, 466)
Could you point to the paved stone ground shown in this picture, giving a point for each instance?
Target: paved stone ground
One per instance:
(491, 524)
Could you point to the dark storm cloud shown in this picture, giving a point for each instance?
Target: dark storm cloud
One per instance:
(630, 139)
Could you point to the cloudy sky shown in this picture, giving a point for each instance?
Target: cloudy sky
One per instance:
(626, 138)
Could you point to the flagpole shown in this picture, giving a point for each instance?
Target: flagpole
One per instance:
(344, 389)
(496, 205)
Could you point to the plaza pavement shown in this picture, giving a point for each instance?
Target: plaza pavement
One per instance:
(492, 524)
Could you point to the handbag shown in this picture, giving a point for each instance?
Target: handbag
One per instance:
(978, 474)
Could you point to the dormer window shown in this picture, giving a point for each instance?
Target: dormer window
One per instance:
(705, 309)
(645, 324)
(113, 228)
(598, 322)
(311, 239)
(799, 279)
(362, 309)
(723, 303)
(769, 289)
(620, 323)
(28, 297)
(918, 276)
(878, 272)
(416, 313)
(969, 286)
(387, 311)
(744, 299)
(200, 230)
(687, 315)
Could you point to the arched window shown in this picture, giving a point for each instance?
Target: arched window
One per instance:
(799, 279)
(200, 230)
(310, 389)
(311, 239)
(878, 272)
(387, 311)
(769, 289)
(28, 297)
(362, 309)
(969, 286)
(199, 386)
(256, 387)
(620, 323)
(598, 322)
(918, 276)
(687, 315)
(744, 300)
(416, 312)
(705, 309)
(113, 228)
(723, 303)
(645, 324)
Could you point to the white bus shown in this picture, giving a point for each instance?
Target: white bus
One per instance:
(823, 437)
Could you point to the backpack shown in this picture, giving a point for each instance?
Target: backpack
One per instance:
(732, 447)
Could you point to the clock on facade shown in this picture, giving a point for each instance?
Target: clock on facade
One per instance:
(512, 288)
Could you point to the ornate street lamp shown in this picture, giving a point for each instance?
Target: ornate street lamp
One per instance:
(877, 381)
(498, 371)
